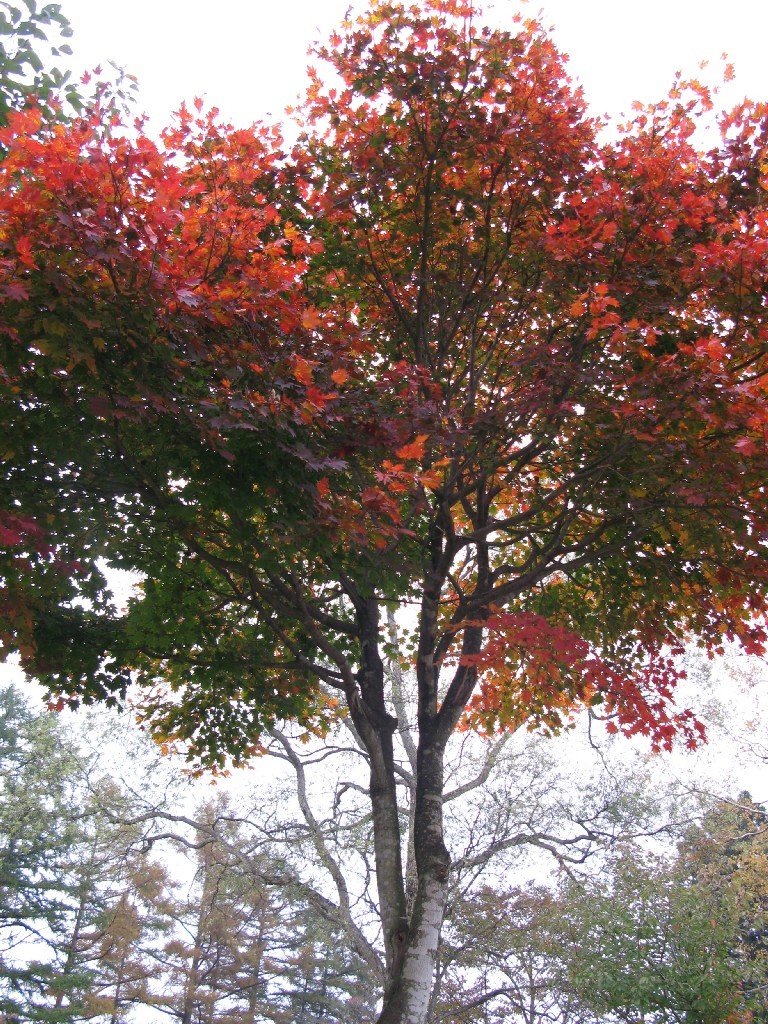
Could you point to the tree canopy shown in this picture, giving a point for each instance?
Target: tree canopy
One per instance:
(459, 353)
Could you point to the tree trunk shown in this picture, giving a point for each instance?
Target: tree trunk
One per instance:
(411, 933)
(85, 889)
(409, 995)
(407, 998)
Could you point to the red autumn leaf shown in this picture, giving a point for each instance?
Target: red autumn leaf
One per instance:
(24, 252)
(746, 446)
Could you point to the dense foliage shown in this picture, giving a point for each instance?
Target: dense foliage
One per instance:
(455, 353)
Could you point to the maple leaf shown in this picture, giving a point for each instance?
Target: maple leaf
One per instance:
(311, 318)
(745, 445)
(415, 449)
(303, 370)
(24, 252)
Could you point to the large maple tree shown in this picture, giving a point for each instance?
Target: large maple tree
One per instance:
(459, 353)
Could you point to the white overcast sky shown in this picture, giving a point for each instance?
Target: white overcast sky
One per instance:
(248, 57)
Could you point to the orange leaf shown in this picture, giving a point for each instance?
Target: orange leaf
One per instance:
(310, 318)
(414, 450)
(433, 478)
(302, 370)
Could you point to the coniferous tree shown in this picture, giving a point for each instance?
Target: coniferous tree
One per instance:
(126, 951)
(83, 907)
(39, 837)
(120, 907)
(249, 947)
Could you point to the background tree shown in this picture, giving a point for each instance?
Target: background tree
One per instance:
(119, 905)
(217, 961)
(264, 932)
(456, 354)
(727, 854)
(124, 950)
(249, 946)
(649, 939)
(83, 907)
(39, 836)
(511, 811)
(508, 943)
